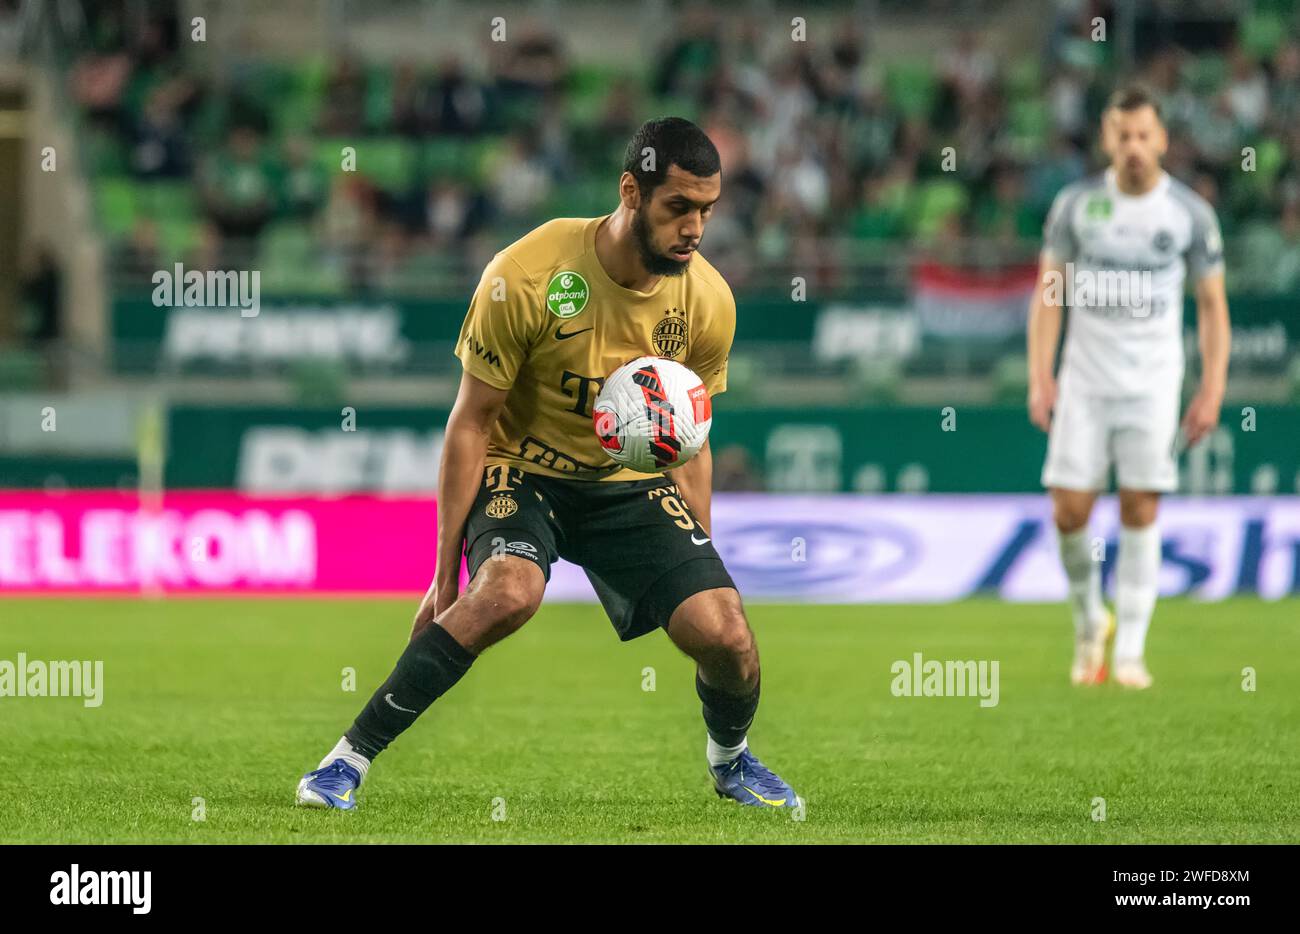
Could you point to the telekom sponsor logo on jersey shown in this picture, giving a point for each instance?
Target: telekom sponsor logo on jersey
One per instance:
(1084, 287)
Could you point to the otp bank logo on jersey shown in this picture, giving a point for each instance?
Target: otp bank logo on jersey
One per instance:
(567, 294)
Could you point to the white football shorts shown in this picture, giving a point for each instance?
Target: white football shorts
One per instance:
(1137, 434)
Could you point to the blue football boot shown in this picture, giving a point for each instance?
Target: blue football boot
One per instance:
(750, 782)
(333, 786)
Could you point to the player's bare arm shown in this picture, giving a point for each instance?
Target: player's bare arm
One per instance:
(464, 451)
(695, 481)
(1043, 333)
(1214, 333)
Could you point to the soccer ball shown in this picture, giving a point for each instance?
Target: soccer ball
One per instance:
(652, 414)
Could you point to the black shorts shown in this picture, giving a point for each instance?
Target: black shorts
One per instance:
(638, 541)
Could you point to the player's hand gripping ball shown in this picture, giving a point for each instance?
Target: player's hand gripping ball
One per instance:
(653, 414)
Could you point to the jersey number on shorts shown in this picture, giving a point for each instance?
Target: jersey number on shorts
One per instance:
(673, 506)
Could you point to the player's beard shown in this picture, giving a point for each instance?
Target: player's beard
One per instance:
(657, 264)
(1139, 173)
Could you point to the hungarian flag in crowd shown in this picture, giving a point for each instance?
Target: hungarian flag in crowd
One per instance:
(985, 303)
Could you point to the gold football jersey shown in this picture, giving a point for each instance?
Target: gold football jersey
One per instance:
(548, 323)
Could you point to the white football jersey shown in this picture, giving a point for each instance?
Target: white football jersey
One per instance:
(1126, 261)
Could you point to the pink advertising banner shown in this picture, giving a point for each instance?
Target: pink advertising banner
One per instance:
(828, 549)
(215, 542)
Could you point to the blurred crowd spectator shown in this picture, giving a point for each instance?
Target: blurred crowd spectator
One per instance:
(834, 155)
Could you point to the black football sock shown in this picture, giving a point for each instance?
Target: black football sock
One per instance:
(727, 716)
(431, 664)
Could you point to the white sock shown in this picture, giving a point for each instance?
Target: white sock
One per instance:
(1084, 575)
(1136, 586)
(349, 755)
(721, 755)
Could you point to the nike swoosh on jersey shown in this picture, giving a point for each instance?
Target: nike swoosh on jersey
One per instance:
(699, 541)
(561, 336)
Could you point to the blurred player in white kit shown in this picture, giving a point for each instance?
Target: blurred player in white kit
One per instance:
(1118, 248)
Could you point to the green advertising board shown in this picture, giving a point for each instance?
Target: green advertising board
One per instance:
(957, 449)
(381, 335)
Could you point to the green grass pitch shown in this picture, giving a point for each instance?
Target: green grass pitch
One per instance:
(231, 700)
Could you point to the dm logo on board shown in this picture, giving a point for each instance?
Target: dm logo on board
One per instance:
(567, 294)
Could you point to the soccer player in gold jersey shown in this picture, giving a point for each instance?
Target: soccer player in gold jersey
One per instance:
(524, 479)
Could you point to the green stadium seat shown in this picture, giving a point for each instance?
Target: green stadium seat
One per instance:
(209, 125)
(867, 228)
(328, 154)
(167, 200)
(290, 261)
(311, 75)
(1270, 159)
(1024, 79)
(379, 99)
(451, 157)
(1030, 124)
(389, 162)
(116, 206)
(267, 81)
(1261, 32)
(177, 237)
(583, 198)
(521, 111)
(291, 95)
(294, 113)
(585, 109)
(686, 107)
(104, 153)
(912, 87)
(590, 79)
(1206, 73)
(287, 239)
(935, 202)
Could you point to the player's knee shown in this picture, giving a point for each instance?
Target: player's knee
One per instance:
(731, 642)
(504, 598)
(738, 642)
(510, 606)
(1137, 512)
(1069, 517)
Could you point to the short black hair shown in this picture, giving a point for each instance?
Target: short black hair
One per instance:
(674, 141)
(1134, 97)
